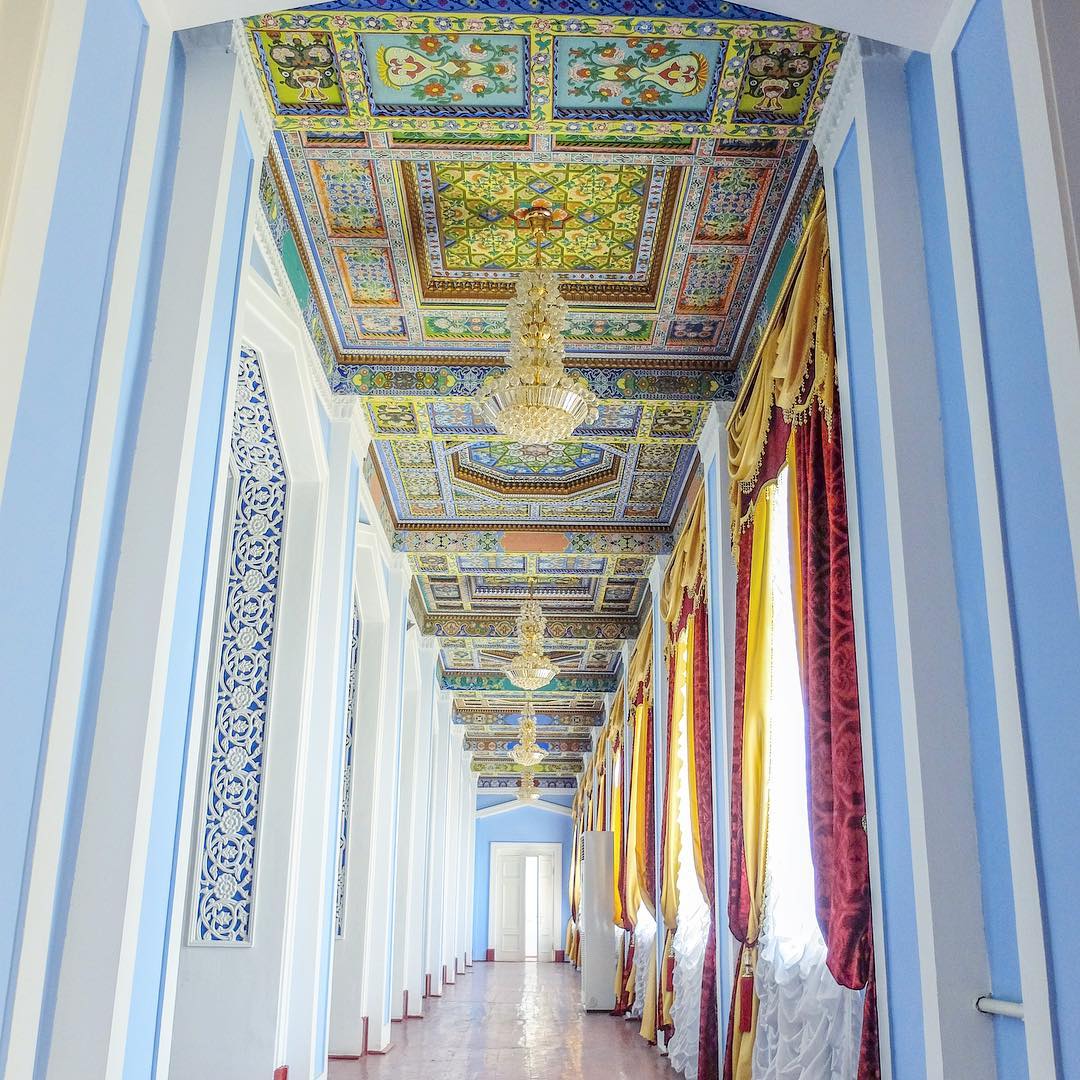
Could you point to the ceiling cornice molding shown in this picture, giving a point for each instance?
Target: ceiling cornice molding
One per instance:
(837, 114)
(285, 294)
(256, 108)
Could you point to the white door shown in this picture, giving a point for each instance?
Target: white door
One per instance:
(545, 913)
(510, 943)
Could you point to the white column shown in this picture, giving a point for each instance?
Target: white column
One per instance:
(437, 867)
(379, 916)
(930, 665)
(466, 862)
(313, 870)
(419, 676)
(453, 854)
(372, 744)
(93, 993)
(712, 447)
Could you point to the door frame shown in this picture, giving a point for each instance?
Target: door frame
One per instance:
(501, 848)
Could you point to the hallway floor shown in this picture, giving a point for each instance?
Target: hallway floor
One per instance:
(511, 1022)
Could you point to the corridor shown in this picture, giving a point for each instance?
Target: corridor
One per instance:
(511, 1022)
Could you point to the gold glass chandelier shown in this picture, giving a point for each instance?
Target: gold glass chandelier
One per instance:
(537, 402)
(528, 752)
(531, 669)
(527, 786)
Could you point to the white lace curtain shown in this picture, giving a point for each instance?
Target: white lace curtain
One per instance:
(809, 1027)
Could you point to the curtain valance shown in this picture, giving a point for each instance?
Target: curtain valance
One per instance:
(686, 571)
(793, 371)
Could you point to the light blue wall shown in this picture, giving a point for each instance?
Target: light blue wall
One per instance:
(1042, 585)
(997, 897)
(45, 471)
(523, 825)
(904, 1000)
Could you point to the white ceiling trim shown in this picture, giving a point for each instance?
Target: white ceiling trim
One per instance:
(516, 804)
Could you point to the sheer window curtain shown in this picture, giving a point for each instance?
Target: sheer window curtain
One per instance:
(808, 1026)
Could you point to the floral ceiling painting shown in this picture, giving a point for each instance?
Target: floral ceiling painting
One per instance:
(675, 148)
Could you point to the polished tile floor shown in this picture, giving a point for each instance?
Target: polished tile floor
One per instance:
(511, 1022)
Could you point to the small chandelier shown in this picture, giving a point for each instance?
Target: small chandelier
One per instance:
(528, 752)
(531, 669)
(527, 786)
(537, 402)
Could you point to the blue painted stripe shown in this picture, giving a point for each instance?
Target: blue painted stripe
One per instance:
(890, 777)
(43, 484)
(1039, 557)
(996, 874)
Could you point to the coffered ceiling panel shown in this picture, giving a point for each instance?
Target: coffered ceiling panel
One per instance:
(674, 138)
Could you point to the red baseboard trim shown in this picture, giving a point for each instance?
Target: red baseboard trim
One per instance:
(281, 1072)
(343, 1057)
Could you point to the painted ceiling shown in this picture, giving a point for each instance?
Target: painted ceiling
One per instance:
(676, 140)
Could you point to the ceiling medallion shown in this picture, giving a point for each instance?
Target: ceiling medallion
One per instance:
(531, 669)
(537, 401)
(527, 752)
(527, 786)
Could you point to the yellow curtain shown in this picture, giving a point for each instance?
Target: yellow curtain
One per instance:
(686, 570)
(794, 365)
(669, 889)
(639, 886)
(685, 575)
(755, 762)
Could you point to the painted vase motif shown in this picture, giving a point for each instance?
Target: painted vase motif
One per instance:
(634, 72)
(448, 67)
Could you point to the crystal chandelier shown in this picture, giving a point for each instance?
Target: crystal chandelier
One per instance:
(537, 402)
(528, 752)
(531, 669)
(527, 787)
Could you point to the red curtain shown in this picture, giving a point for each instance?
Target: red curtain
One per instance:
(835, 791)
(709, 1027)
(738, 885)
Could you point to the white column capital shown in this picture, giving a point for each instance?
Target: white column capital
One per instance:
(712, 436)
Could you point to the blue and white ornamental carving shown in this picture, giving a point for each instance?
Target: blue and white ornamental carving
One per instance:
(225, 883)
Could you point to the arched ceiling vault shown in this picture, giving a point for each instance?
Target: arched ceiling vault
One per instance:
(678, 146)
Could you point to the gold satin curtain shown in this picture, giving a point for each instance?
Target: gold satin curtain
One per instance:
(640, 840)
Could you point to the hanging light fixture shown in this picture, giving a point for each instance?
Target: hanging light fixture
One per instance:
(528, 752)
(531, 669)
(537, 402)
(527, 786)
